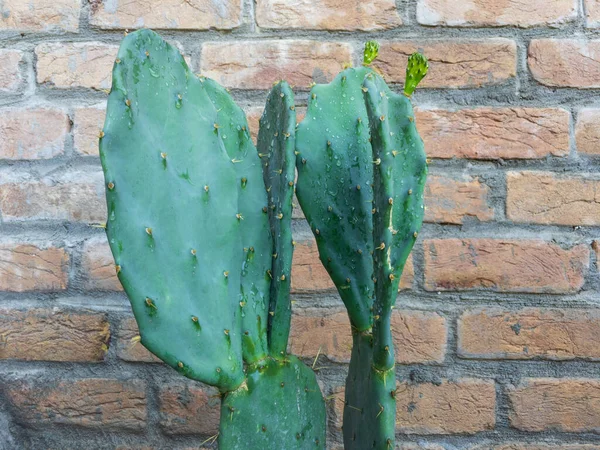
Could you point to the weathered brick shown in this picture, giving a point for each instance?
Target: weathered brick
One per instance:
(308, 273)
(495, 133)
(40, 15)
(74, 196)
(10, 76)
(187, 409)
(419, 337)
(99, 266)
(75, 65)
(557, 334)
(587, 131)
(128, 344)
(458, 63)
(565, 62)
(87, 124)
(493, 13)
(92, 403)
(25, 268)
(258, 64)
(550, 199)
(523, 446)
(166, 14)
(592, 9)
(465, 406)
(32, 133)
(504, 265)
(560, 404)
(369, 15)
(450, 201)
(49, 335)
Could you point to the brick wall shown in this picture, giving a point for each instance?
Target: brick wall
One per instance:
(497, 328)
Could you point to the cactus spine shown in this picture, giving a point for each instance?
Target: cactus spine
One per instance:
(361, 175)
(198, 224)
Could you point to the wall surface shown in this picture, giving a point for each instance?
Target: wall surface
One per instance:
(498, 320)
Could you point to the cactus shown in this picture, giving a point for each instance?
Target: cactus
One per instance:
(361, 175)
(195, 219)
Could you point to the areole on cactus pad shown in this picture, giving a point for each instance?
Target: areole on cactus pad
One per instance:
(199, 224)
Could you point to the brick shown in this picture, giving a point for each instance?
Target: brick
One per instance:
(558, 404)
(587, 131)
(25, 268)
(451, 201)
(87, 124)
(465, 406)
(369, 15)
(592, 9)
(99, 266)
(504, 265)
(309, 275)
(166, 14)
(552, 62)
(75, 65)
(254, 113)
(556, 334)
(129, 348)
(492, 13)
(186, 409)
(258, 64)
(495, 133)
(550, 199)
(91, 403)
(73, 196)
(10, 76)
(419, 337)
(32, 133)
(50, 335)
(458, 63)
(40, 15)
(519, 446)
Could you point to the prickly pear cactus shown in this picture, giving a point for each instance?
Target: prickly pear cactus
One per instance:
(201, 253)
(361, 175)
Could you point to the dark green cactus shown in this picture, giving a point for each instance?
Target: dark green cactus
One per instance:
(194, 238)
(361, 176)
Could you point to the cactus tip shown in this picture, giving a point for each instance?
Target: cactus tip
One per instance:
(415, 71)
(371, 52)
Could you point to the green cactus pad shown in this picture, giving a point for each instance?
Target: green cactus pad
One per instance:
(276, 146)
(280, 407)
(174, 197)
(416, 70)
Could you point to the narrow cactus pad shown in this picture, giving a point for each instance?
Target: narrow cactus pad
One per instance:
(178, 214)
(276, 146)
(280, 407)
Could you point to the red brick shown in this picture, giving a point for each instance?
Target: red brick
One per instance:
(75, 65)
(186, 409)
(557, 334)
(25, 267)
(99, 266)
(166, 14)
(258, 64)
(368, 15)
(40, 15)
(550, 199)
(504, 265)
(494, 13)
(565, 62)
(450, 201)
(454, 63)
(74, 196)
(587, 131)
(87, 124)
(50, 335)
(129, 347)
(495, 133)
(419, 337)
(558, 404)
(32, 133)
(10, 76)
(309, 275)
(92, 403)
